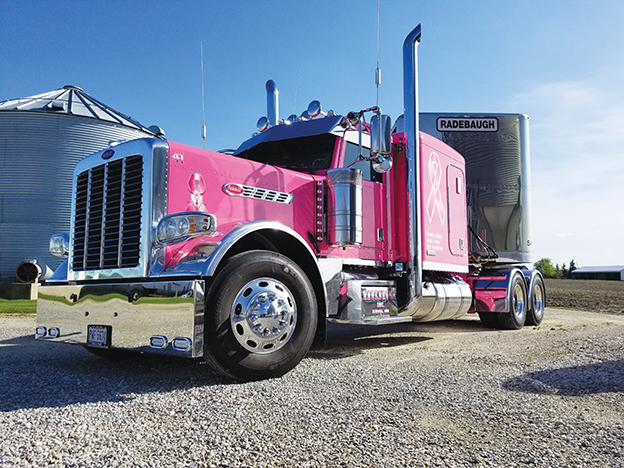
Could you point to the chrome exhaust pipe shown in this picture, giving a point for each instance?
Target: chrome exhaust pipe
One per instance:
(272, 103)
(410, 103)
(31, 271)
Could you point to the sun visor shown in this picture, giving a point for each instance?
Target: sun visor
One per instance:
(294, 130)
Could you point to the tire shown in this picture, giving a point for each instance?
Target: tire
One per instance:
(535, 314)
(515, 317)
(489, 319)
(261, 317)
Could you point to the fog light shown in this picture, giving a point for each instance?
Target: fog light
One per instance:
(40, 332)
(158, 342)
(59, 245)
(181, 343)
(54, 332)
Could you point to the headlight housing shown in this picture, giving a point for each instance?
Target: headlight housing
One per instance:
(180, 226)
(59, 245)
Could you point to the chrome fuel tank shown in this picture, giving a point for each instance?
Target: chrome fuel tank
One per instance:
(443, 299)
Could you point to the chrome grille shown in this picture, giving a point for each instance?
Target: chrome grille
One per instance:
(265, 194)
(107, 220)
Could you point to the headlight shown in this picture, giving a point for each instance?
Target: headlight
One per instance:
(59, 245)
(178, 227)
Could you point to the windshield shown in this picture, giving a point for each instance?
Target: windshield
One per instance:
(311, 153)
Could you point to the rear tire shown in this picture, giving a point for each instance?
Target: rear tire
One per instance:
(515, 317)
(261, 317)
(535, 314)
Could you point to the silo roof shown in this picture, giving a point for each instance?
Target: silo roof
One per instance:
(74, 101)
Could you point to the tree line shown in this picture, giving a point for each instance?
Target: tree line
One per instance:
(547, 269)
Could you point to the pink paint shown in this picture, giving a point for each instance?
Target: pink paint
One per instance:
(239, 191)
(443, 207)
(489, 293)
(201, 180)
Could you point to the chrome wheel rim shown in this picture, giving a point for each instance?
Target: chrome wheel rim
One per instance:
(538, 301)
(263, 316)
(518, 301)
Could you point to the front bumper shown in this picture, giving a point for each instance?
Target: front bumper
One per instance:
(165, 317)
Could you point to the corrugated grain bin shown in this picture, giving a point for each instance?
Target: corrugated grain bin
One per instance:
(41, 140)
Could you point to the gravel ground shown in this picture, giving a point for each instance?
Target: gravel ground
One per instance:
(440, 394)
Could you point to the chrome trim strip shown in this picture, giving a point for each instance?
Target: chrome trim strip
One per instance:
(234, 236)
(525, 165)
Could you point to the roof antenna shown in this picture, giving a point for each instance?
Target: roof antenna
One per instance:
(203, 131)
(378, 70)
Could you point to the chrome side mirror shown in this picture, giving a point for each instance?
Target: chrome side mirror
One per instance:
(381, 135)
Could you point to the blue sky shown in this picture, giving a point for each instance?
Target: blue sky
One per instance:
(559, 61)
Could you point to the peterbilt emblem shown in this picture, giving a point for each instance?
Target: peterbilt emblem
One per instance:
(108, 154)
(233, 189)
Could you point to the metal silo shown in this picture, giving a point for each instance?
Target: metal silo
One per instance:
(41, 139)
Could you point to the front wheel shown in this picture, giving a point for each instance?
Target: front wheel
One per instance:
(261, 317)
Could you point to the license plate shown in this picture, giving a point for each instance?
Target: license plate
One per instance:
(99, 336)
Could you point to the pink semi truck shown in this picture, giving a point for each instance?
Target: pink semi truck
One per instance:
(242, 257)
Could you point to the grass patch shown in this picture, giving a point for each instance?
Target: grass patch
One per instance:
(17, 306)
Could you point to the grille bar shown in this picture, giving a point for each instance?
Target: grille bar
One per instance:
(107, 218)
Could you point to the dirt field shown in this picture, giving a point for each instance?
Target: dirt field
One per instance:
(590, 295)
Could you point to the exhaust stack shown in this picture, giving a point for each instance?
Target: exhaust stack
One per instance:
(410, 103)
(272, 103)
(32, 271)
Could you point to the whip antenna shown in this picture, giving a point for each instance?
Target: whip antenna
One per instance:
(378, 70)
(203, 132)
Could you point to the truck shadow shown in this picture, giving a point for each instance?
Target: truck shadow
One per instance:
(345, 340)
(37, 374)
(601, 377)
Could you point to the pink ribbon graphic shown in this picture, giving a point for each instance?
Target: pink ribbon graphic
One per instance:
(435, 201)
(197, 187)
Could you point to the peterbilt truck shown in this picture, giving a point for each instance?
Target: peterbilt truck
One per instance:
(242, 257)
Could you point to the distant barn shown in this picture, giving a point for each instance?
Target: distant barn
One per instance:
(41, 139)
(600, 273)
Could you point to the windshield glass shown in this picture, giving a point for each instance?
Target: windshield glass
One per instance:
(366, 166)
(311, 153)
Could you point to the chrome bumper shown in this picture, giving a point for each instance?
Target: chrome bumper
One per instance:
(162, 317)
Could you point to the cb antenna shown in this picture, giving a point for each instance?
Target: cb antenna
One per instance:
(378, 70)
(203, 131)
